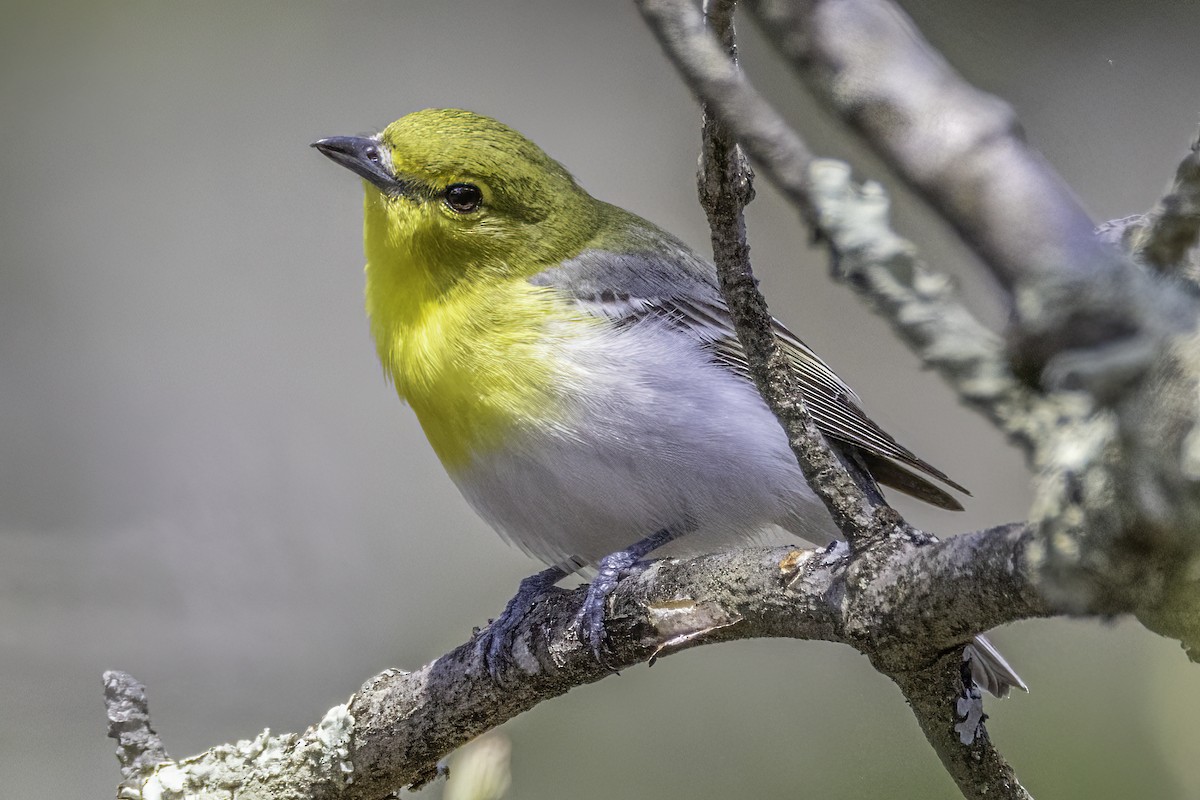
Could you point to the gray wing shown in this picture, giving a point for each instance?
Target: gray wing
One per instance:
(671, 283)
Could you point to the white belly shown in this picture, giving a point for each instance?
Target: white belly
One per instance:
(657, 437)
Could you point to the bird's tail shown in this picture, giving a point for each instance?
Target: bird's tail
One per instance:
(989, 669)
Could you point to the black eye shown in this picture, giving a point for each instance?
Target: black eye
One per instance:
(463, 197)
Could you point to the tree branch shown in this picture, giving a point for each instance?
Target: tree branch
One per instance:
(963, 150)
(853, 223)
(1092, 329)
(865, 520)
(922, 305)
(949, 709)
(1165, 238)
(399, 725)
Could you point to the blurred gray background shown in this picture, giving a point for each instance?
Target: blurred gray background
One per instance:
(205, 480)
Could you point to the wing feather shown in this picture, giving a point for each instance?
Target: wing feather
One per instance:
(674, 285)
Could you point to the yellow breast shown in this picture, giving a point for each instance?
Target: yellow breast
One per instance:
(478, 363)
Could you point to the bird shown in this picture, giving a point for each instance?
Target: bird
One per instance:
(575, 369)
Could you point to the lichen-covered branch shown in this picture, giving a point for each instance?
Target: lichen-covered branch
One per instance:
(399, 725)
(853, 222)
(922, 304)
(960, 147)
(963, 150)
(1166, 237)
(951, 717)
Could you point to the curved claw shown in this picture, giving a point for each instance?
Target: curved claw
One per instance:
(589, 622)
(494, 644)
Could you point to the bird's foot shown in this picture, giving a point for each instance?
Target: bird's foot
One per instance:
(495, 642)
(589, 622)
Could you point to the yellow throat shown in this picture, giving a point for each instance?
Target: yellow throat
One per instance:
(467, 351)
(460, 212)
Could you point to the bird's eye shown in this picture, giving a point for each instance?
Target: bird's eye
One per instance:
(463, 197)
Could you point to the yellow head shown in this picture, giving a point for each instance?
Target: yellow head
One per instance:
(453, 195)
(459, 211)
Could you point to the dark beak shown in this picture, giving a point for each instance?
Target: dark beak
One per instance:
(362, 156)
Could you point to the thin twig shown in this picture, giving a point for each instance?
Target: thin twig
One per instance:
(725, 188)
(717, 82)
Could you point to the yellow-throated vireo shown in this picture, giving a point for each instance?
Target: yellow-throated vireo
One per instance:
(575, 368)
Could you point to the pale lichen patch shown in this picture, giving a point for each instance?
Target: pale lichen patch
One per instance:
(167, 783)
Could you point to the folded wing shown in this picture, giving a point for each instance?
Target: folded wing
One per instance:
(672, 284)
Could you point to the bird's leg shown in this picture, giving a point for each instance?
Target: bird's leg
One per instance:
(590, 620)
(495, 642)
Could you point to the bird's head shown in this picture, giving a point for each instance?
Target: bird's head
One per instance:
(450, 192)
